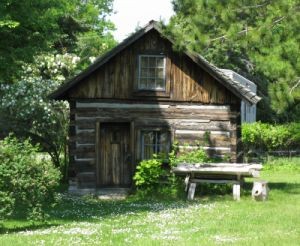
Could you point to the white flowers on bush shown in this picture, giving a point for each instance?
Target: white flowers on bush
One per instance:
(25, 103)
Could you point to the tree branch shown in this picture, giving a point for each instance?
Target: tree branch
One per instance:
(247, 29)
(295, 86)
(256, 6)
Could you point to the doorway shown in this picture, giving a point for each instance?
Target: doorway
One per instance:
(114, 165)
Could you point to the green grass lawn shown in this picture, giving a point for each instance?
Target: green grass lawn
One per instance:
(209, 220)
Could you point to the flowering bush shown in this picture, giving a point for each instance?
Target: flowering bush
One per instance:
(26, 109)
(26, 180)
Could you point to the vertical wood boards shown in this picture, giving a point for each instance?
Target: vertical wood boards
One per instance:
(114, 166)
(196, 110)
(118, 77)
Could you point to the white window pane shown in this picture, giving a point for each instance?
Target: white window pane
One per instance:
(144, 61)
(152, 61)
(151, 84)
(154, 142)
(151, 73)
(144, 72)
(143, 83)
(148, 152)
(160, 73)
(160, 84)
(148, 137)
(159, 62)
(163, 138)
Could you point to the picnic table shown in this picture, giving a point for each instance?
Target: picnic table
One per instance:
(217, 173)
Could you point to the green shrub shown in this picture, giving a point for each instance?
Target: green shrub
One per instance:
(268, 137)
(283, 164)
(152, 175)
(148, 173)
(198, 155)
(26, 181)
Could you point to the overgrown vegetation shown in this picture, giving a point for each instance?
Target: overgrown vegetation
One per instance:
(26, 110)
(45, 44)
(37, 27)
(27, 182)
(155, 176)
(262, 137)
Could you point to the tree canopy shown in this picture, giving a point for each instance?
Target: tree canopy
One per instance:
(258, 39)
(31, 27)
(44, 43)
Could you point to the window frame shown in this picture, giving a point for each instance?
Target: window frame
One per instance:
(142, 144)
(148, 67)
(148, 92)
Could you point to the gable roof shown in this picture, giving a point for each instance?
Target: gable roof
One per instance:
(236, 88)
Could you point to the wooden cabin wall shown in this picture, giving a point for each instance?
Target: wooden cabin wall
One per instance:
(187, 123)
(117, 78)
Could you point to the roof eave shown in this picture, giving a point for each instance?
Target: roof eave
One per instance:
(60, 93)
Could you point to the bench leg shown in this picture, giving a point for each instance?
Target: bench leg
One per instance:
(186, 182)
(236, 190)
(191, 191)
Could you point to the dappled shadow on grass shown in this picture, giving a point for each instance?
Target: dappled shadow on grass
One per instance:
(290, 188)
(26, 226)
(72, 209)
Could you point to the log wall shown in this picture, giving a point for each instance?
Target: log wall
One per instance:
(212, 126)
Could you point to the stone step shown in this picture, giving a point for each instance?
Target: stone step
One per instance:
(101, 193)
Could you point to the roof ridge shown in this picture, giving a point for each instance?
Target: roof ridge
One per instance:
(230, 84)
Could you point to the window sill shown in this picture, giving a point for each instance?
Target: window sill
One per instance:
(150, 93)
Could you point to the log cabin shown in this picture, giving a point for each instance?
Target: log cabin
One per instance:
(139, 98)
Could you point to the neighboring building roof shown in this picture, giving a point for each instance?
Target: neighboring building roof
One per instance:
(236, 88)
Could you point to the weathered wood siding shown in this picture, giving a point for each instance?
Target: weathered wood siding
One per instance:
(117, 78)
(213, 126)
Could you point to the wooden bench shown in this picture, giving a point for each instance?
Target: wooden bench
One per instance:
(216, 173)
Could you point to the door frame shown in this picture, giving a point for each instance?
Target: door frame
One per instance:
(97, 141)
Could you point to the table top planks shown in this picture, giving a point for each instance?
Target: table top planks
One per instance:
(240, 169)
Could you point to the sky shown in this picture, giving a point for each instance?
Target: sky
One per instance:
(132, 13)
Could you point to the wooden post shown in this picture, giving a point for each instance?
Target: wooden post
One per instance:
(236, 190)
(97, 150)
(186, 182)
(191, 192)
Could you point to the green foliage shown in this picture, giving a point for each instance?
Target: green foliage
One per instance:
(148, 173)
(268, 137)
(195, 156)
(258, 39)
(27, 111)
(34, 27)
(154, 175)
(283, 164)
(26, 181)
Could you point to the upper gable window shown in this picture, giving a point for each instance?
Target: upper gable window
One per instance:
(152, 73)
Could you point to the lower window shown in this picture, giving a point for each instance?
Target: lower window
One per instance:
(154, 142)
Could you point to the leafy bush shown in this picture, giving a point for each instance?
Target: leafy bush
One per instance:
(198, 155)
(26, 181)
(283, 164)
(268, 137)
(151, 174)
(148, 173)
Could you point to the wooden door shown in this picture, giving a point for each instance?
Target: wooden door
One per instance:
(115, 167)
